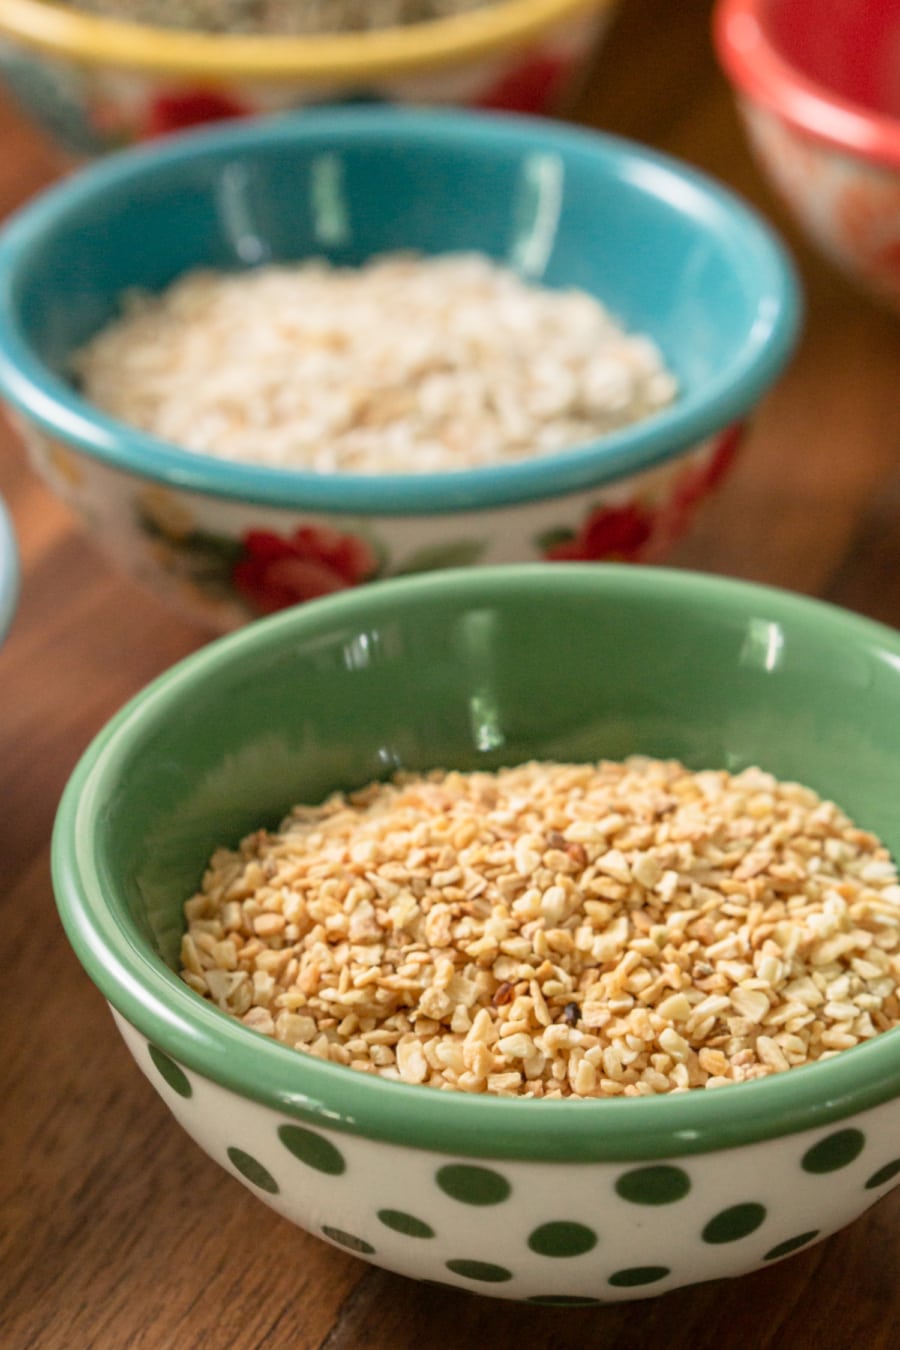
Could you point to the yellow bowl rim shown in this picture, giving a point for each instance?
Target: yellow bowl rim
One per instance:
(91, 40)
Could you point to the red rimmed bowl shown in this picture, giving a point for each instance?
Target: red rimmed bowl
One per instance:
(818, 90)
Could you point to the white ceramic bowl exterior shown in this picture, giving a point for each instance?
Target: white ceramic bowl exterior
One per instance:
(550, 1232)
(850, 207)
(222, 562)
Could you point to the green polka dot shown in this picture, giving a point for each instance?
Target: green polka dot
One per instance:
(313, 1149)
(661, 1185)
(837, 1150)
(562, 1239)
(405, 1223)
(354, 1244)
(473, 1185)
(254, 1171)
(564, 1300)
(734, 1223)
(174, 1075)
(480, 1270)
(791, 1245)
(886, 1173)
(634, 1275)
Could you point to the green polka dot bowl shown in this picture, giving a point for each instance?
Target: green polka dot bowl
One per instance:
(565, 1201)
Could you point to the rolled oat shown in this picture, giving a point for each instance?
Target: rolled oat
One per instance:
(406, 364)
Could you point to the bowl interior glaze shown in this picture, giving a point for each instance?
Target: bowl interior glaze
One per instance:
(632, 231)
(849, 47)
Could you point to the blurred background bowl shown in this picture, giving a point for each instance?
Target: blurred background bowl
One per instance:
(95, 83)
(669, 252)
(817, 84)
(9, 571)
(473, 670)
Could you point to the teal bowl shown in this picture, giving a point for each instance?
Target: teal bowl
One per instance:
(9, 572)
(556, 1201)
(670, 252)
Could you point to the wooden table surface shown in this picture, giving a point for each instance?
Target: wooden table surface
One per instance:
(115, 1230)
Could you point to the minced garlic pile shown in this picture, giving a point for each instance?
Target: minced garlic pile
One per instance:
(557, 930)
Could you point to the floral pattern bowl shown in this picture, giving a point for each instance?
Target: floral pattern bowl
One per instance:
(560, 1201)
(669, 252)
(95, 84)
(823, 117)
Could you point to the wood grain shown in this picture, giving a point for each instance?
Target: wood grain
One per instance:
(116, 1230)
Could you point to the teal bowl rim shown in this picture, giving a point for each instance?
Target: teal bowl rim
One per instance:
(153, 999)
(54, 407)
(9, 571)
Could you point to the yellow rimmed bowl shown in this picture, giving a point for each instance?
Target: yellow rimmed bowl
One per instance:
(95, 83)
(816, 86)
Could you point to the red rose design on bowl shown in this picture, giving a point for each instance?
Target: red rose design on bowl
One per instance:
(610, 532)
(189, 108)
(528, 86)
(700, 480)
(274, 572)
(868, 223)
(635, 532)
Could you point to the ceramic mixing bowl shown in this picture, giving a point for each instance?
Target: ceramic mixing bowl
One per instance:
(669, 252)
(816, 83)
(561, 1201)
(95, 84)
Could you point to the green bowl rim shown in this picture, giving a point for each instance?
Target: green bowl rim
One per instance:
(153, 999)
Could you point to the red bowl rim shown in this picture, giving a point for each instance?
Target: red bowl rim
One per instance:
(760, 73)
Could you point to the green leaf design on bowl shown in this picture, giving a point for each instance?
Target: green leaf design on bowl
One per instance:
(458, 553)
